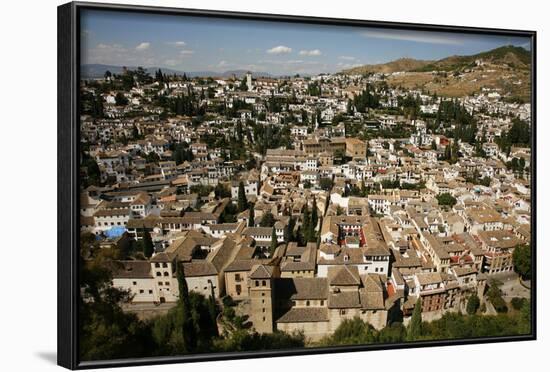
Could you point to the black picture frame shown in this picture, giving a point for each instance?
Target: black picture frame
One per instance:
(68, 180)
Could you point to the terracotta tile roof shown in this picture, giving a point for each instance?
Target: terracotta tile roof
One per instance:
(304, 315)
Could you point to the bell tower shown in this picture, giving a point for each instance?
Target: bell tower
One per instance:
(261, 297)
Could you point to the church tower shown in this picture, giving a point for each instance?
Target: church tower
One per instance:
(249, 81)
(261, 297)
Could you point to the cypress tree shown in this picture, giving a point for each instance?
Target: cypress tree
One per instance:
(306, 223)
(187, 327)
(251, 216)
(213, 310)
(314, 220)
(289, 229)
(473, 304)
(148, 247)
(274, 242)
(414, 330)
(241, 198)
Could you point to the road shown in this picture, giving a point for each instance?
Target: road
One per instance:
(511, 286)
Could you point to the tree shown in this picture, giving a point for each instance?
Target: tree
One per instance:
(213, 310)
(187, 327)
(325, 183)
(473, 304)
(241, 198)
(97, 107)
(152, 157)
(414, 330)
(393, 333)
(92, 170)
(517, 302)
(314, 217)
(148, 246)
(306, 224)
(274, 242)
(446, 199)
(494, 294)
(182, 153)
(352, 331)
(105, 330)
(289, 229)
(120, 99)
(267, 220)
(168, 330)
(221, 191)
(522, 261)
(251, 216)
(135, 132)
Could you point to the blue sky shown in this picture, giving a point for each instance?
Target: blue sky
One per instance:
(198, 44)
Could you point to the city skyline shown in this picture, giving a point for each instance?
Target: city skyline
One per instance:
(192, 44)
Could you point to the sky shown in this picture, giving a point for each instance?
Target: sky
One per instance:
(186, 43)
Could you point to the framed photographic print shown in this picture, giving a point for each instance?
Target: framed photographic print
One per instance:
(236, 185)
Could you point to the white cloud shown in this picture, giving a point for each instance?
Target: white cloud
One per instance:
(415, 36)
(143, 46)
(313, 52)
(187, 52)
(281, 49)
(177, 43)
(113, 47)
(116, 54)
(347, 58)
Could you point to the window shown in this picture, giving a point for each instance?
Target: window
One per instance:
(166, 283)
(238, 289)
(257, 283)
(157, 264)
(158, 273)
(263, 310)
(164, 264)
(159, 283)
(263, 294)
(141, 291)
(307, 303)
(150, 291)
(322, 302)
(263, 283)
(134, 283)
(166, 273)
(238, 277)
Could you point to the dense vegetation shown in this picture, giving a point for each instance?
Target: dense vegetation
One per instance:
(107, 332)
(451, 326)
(193, 325)
(522, 261)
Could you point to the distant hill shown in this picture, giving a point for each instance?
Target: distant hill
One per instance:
(94, 71)
(512, 56)
(401, 64)
(505, 69)
(516, 57)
